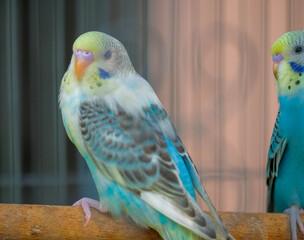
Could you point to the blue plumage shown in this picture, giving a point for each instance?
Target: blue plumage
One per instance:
(289, 184)
(183, 171)
(145, 159)
(298, 68)
(103, 74)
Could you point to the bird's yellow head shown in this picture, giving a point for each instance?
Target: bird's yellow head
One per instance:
(97, 62)
(106, 52)
(86, 49)
(288, 62)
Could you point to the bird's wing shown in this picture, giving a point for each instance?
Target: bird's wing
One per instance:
(159, 115)
(133, 152)
(278, 144)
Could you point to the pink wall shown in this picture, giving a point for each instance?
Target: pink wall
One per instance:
(210, 64)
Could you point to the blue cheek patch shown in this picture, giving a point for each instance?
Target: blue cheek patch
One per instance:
(103, 74)
(296, 67)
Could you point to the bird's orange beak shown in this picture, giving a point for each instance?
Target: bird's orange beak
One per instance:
(277, 58)
(82, 60)
(275, 70)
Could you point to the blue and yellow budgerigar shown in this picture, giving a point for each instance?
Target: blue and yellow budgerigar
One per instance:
(285, 168)
(139, 164)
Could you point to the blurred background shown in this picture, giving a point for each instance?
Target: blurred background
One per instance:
(208, 61)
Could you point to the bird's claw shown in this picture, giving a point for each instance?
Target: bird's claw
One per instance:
(87, 217)
(295, 220)
(86, 203)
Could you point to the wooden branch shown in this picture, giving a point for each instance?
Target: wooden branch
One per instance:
(62, 222)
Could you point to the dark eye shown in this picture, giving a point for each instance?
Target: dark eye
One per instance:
(107, 54)
(298, 49)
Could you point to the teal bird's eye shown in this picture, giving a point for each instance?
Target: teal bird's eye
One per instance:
(298, 49)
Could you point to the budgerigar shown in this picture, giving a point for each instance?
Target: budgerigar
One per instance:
(285, 168)
(139, 165)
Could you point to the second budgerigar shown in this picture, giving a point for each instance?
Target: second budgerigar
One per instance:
(285, 168)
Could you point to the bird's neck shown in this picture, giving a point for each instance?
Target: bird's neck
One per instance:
(292, 103)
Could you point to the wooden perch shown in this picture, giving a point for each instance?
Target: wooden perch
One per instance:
(61, 222)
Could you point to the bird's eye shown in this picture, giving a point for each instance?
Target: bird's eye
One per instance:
(107, 54)
(78, 51)
(298, 49)
(86, 52)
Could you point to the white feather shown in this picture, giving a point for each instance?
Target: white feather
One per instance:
(164, 205)
(132, 95)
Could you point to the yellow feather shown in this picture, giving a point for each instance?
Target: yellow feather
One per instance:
(285, 41)
(91, 41)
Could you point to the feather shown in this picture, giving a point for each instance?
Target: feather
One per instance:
(276, 150)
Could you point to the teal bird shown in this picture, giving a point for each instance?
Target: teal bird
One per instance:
(285, 167)
(139, 165)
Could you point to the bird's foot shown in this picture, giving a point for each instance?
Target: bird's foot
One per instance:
(295, 220)
(86, 203)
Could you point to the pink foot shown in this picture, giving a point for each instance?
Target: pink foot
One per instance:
(86, 203)
(295, 220)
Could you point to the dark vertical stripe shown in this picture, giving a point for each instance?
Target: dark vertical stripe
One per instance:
(11, 106)
(55, 123)
(5, 121)
(40, 164)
